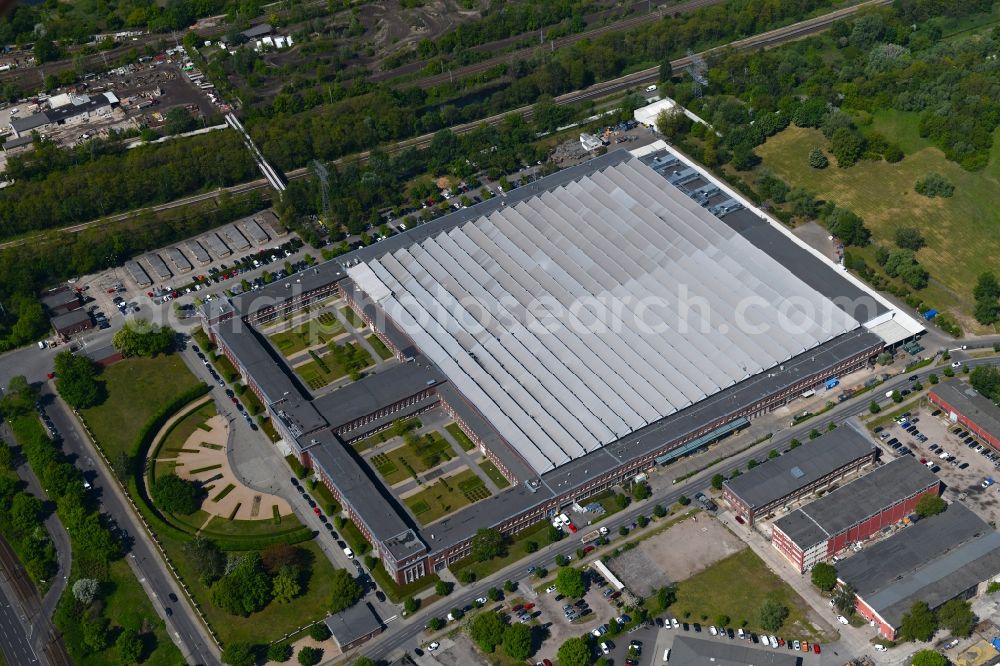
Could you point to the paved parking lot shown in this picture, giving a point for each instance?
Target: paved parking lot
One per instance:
(961, 484)
(550, 612)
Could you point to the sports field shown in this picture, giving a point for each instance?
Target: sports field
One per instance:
(962, 232)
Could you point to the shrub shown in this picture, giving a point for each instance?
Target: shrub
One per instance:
(818, 160)
(934, 185)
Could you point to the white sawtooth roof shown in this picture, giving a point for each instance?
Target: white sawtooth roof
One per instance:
(505, 306)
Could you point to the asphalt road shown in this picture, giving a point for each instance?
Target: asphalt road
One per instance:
(183, 626)
(404, 636)
(13, 642)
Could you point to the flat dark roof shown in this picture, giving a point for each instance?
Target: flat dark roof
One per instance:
(257, 357)
(857, 501)
(71, 318)
(367, 495)
(31, 122)
(800, 467)
(372, 392)
(977, 408)
(60, 297)
(691, 651)
(933, 561)
(353, 623)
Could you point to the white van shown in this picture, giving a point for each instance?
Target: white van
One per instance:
(666, 655)
(651, 88)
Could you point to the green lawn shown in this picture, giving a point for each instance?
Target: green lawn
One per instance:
(187, 426)
(353, 537)
(459, 435)
(491, 471)
(385, 435)
(962, 232)
(379, 347)
(307, 334)
(446, 495)
(399, 593)
(352, 317)
(518, 548)
(737, 586)
(276, 619)
(429, 451)
(137, 389)
(126, 605)
(317, 373)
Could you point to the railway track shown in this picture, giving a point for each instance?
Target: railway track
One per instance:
(643, 77)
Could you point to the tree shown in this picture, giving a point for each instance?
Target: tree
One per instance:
(817, 159)
(129, 646)
(929, 505)
(574, 652)
(208, 560)
(928, 658)
(179, 120)
(721, 620)
(910, 238)
(239, 654)
(20, 397)
(659, 511)
(310, 656)
(410, 605)
(843, 599)
(569, 582)
(848, 227)
(76, 380)
(139, 338)
(666, 70)
(873, 407)
(846, 144)
(641, 491)
(176, 495)
(245, 589)
(277, 556)
(442, 588)
(517, 641)
(435, 623)
(363, 661)
(347, 591)
(285, 586)
(95, 634)
(957, 617)
(986, 292)
(824, 576)
(319, 632)
(717, 481)
(672, 123)
(934, 185)
(487, 544)
(85, 590)
(918, 623)
(772, 615)
(666, 596)
(487, 630)
(897, 397)
(279, 652)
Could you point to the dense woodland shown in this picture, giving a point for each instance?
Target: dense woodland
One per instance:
(313, 118)
(57, 187)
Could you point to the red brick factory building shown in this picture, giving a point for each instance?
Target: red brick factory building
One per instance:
(967, 407)
(852, 513)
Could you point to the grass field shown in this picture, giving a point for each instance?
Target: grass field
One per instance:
(383, 436)
(491, 471)
(457, 433)
(307, 334)
(379, 347)
(187, 426)
(316, 376)
(276, 619)
(446, 496)
(126, 605)
(352, 317)
(395, 465)
(518, 548)
(737, 586)
(962, 232)
(137, 389)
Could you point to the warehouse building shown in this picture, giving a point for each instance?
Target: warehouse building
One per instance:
(71, 323)
(64, 109)
(564, 410)
(60, 301)
(852, 513)
(975, 412)
(802, 471)
(138, 273)
(952, 555)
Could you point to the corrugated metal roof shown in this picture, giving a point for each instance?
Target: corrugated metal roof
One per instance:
(567, 317)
